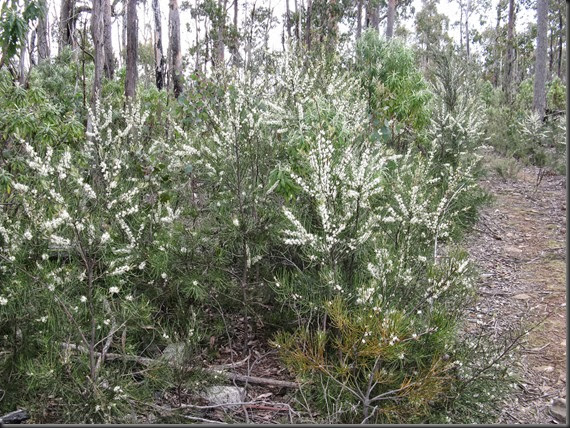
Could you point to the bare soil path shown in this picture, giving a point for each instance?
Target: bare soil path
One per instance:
(519, 245)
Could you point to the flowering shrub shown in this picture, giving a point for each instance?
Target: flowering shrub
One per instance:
(378, 295)
(278, 191)
(456, 127)
(389, 270)
(91, 238)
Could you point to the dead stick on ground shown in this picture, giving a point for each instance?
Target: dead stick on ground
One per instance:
(149, 361)
(261, 405)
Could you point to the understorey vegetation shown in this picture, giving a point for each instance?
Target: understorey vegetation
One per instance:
(311, 201)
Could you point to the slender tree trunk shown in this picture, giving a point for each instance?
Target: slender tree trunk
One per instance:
(198, 65)
(332, 26)
(249, 41)
(98, 35)
(297, 23)
(219, 42)
(461, 25)
(22, 64)
(206, 46)
(308, 25)
(559, 70)
(516, 76)
(175, 52)
(390, 18)
(507, 82)
(467, 12)
(372, 16)
(539, 99)
(132, 50)
(31, 56)
(235, 42)
(550, 51)
(498, 55)
(66, 24)
(109, 56)
(159, 61)
(42, 32)
(288, 19)
(266, 32)
(124, 32)
(359, 20)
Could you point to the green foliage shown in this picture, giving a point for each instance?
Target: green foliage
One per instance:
(515, 131)
(34, 115)
(61, 80)
(524, 96)
(556, 95)
(457, 126)
(507, 168)
(14, 25)
(372, 365)
(394, 88)
(528, 138)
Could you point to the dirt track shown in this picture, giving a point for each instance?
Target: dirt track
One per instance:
(519, 245)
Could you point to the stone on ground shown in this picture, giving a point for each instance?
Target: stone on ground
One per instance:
(558, 409)
(219, 394)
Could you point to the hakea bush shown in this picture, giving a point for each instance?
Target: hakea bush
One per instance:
(378, 291)
(362, 207)
(457, 133)
(304, 95)
(457, 125)
(230, 159)
(542, 142)
(387, 296)
(84, 238)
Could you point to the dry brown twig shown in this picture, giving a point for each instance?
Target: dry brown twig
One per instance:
(150, 361)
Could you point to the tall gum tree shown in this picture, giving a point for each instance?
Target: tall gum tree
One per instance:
(132, 49)
(390, 17)
(108, 42)
(539, 98)
(43, 32)
(97, 33)
(66, 24)
(159, 60)
(175, 51)
(507, 81)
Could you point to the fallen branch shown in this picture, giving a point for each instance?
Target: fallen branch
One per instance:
(150, 361)
(15, 417)
(208, 421)
(260, 405)
(259, 380)
(230, 365)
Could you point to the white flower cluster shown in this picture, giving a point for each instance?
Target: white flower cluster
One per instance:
(71, 208)
(341, 182)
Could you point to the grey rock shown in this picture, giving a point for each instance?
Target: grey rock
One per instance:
(219, 394)
(558, 409)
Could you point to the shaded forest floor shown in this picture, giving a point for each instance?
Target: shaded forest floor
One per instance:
(519, 246)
